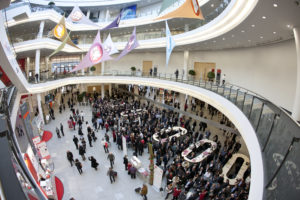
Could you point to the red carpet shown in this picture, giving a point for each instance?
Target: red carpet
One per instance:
(47, 136)
(59, 188)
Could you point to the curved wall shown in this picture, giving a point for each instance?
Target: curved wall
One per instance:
(267, 70)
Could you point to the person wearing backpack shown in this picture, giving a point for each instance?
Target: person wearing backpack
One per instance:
(78, 166)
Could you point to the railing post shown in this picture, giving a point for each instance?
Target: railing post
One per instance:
(269, 134)
(251, 107)
(230, 92)
(245, 94)
(237, 93)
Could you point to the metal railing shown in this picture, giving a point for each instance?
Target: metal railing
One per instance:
(276, 131)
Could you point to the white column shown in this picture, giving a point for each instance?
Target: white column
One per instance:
(109, 89)
(102, 68)
(47, 66)
(88, 14)
(82, 71)
(39, 102)
(38, 51)
(296, 108)
(41, 30)
(185, 63)
(102, 91)
(27, 66)
(107, 15)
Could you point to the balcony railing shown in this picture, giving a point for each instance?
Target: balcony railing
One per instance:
(276, 131)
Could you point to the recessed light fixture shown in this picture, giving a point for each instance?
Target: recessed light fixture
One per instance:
(232, 35)
(289, 26)
(264, 17)
(242, 31)
(214, 41)
(249, 40)
(261, 37)
(275, 5)
(223, 38)
(253, 25)
(212, 5)
(274, 32)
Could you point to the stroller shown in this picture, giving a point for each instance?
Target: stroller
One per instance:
(138, 190)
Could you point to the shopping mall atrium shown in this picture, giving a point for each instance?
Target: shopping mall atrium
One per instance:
(150, 99)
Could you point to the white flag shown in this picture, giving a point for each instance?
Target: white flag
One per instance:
(109, 46)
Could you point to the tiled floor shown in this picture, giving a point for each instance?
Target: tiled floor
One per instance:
(93, 185)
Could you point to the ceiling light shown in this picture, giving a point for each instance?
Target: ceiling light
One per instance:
(264, 17)
(249, 40)
(274, 32)
(214, 41)
(242, 31)
(261, 37)
(223, 38)
(212, 5)
(232, 35)
(289, 26)
(275, 5)
(253, 25)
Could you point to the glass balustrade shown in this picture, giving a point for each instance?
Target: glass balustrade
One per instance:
(277, 132)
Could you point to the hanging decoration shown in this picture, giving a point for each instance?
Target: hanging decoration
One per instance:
(131, 44)
(109, 46)
(60, 32)
(95, 55)
(189, 9)
(170, 44)
(114, 24)
(77, 16)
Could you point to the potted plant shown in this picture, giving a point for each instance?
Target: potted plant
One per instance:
(92, 69)
(211, 75)
(133, 69)
(192, 73)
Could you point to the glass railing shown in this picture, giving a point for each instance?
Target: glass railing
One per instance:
(147, 34)
(277, 132)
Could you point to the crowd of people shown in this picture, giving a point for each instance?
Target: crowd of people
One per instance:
(203, 180)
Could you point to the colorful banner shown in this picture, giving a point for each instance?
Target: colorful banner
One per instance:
(114, 24)
(59, 48)
(189, 9)
(60, 32)
(129, 12)
(109, 46)
(77, 16)
(170, 44)
(95, 55)
(131, 44)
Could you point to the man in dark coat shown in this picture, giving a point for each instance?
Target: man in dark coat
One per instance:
(75, 140)
(70, 157)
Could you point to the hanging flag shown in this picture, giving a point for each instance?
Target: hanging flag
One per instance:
(109, 46)
(131, 44)
(189, 9)
(60, 32)
(95, 55)
(59, 48)
(166, 4)
(77, 16)
(170, 44)
(114, 24)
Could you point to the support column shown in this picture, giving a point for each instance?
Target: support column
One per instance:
(47, 67)
(109, 89)
(185, 64)
(39, 105)
(88, 14)
(107, 15)
(38, 52)
(296, 107)
(102, 91)
(82, 71)
(27, 67)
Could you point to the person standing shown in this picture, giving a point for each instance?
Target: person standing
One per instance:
(78, 166)
(176, 74)
(70, 157)
(125, 161)
(75, 140)
(111, 158)
(132, 171)
(94, 163)
(90, 139)
(144, 191)
(57, 132)
(111, 175)
(62, 129)
(105, 145)
(81, 152)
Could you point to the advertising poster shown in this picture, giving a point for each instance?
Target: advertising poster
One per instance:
(124, 145)
(158, 174)
(129, 12)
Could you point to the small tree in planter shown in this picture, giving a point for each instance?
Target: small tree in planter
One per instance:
(192, 73)
(211, 75)
(133, 69)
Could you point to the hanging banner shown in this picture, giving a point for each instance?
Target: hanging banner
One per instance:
(95, 55)
(129, 12)
(132, 44)
(59, 48)
(114, 24)
(60, 32)
(77, 16)
(189, 9)
(170, 44)
(109, 46)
